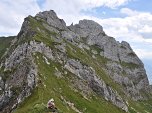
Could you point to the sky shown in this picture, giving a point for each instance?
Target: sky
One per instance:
(128, 20)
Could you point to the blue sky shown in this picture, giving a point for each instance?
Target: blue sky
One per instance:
(128, 20)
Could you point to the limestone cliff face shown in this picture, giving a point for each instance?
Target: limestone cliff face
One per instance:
(94, 35)
(19, 73)
(121, 57)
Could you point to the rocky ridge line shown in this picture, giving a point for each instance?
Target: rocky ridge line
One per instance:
(83, 35)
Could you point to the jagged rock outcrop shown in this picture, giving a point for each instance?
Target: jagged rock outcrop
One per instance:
(51, 18)
(93, 33)
(22, 71)
(118, 74)
(120, 54)
(53, 39)
(95, 83)
(87, 28)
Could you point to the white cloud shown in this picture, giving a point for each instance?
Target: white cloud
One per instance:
(129, 12)
(144, 54)
(13, 13)
(146, 29)
(129, 28)
(70, 10)
(97, 3)
(78, 5)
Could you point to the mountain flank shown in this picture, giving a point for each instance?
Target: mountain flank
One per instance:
(80, 66)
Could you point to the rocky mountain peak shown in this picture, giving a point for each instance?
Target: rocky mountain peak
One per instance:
(51, 18)
(87, 27)
(71, 63)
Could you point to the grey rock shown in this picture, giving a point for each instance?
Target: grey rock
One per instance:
(132, 80)
(32, 77)
(126, 54)
(95, 83)
(87, 27)
(94, 35)
(24, 79)
(50, 28)
(25, 50)
(61, 47)
(51, 18)
(94, 52)
(58, 73)
(101, 53)
(70, 36)
(83, 46)
(41, 48)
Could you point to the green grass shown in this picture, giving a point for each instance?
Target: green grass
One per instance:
(96, 47)
(37, 25)
(129, 65)
(141, 106)
(4, 44)
(42, 35)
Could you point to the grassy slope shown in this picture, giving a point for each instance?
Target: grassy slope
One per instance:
(4, 44)
(57, 87)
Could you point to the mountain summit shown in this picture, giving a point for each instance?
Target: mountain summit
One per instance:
(80, 66)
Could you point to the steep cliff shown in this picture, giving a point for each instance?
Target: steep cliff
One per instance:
(79, 66)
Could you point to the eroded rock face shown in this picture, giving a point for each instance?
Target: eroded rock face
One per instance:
(25, 50)
(126, 54)
(22, 74)
(93, 33)
(125, 67)
(126, 77)
(95, 83)
(132, 77)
